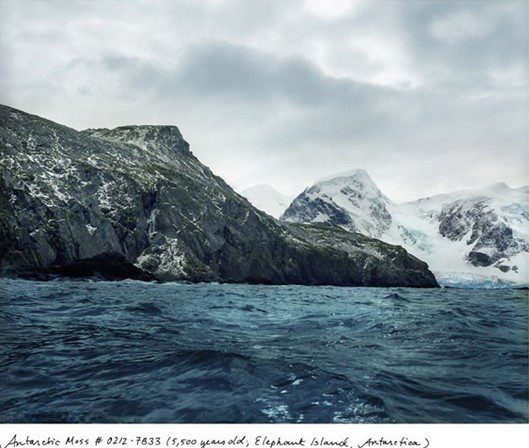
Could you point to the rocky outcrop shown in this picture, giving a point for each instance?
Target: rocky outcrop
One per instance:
(137, 196)
(492, 239)
(372, 255)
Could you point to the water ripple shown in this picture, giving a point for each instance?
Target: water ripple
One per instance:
(74, 351)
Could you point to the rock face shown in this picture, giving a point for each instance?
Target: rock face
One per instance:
(136, 196)
(466, 234)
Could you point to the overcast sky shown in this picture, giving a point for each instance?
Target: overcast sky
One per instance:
(428, 97)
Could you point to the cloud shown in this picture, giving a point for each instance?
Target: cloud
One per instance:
(427, 96)
(461, 26)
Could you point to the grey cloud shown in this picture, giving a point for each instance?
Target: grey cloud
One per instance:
(473, 57)
(237, 71)
(259, 86)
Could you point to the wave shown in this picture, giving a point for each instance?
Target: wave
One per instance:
(146, 352)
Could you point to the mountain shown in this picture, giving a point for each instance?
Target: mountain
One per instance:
(135, 202)
(267, 199)
(350, 200)
(477, 237)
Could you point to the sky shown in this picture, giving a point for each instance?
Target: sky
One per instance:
(427, 96)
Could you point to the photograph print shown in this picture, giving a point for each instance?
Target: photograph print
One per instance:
(299, 211)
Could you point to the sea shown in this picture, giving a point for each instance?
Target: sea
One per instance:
(130, 351)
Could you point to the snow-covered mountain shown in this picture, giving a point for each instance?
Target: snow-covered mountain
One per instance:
(478, 237)
(267, 199)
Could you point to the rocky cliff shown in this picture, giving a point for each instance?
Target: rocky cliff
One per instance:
(134, 201)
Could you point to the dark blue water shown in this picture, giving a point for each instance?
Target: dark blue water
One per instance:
(143, 352)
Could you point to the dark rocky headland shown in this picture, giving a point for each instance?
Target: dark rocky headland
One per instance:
(134, 202)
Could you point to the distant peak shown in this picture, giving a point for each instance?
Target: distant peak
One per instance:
(358, 174)
(347, 182)
(267, 198)
(499, 185)
(261, 187)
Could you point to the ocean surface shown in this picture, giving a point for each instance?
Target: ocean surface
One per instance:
(84, 351)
